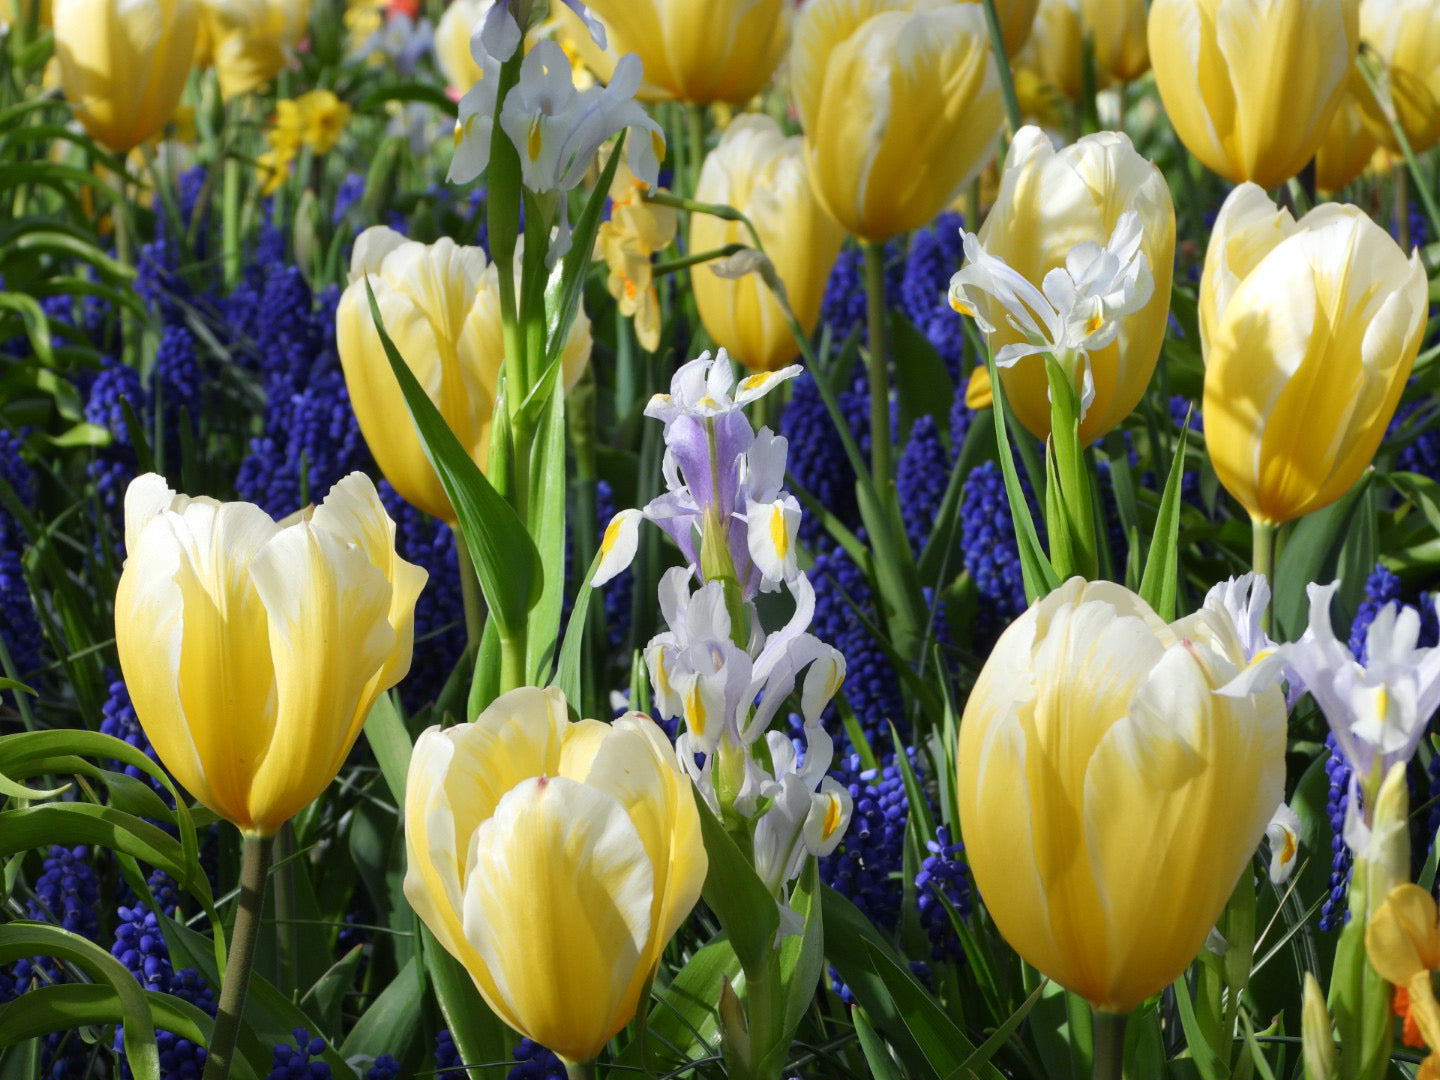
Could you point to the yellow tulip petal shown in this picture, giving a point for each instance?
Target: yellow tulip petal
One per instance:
(1403, 935)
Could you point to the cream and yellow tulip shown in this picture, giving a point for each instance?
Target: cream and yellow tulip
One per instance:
(452, 43)
(1109, 798)
(1056, 47)
(251, 40)
(441, 306)
(1405, 36)
(760, 172)
(693, 50)
(1250, 87)
(554, 860)
(1048, 203)
(253, 650)
(123, 64)
(1309, 331)
(1017, 19)
(880, 87)
(1349, 144)
(1118, 32)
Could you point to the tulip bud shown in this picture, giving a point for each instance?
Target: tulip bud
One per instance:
(1251, 88)
(879, 87)
(1405, 34)
(1048, 203)
(253, 653)
(554, 860)
(762, 174)
(1309, 331)
(441, 306)
(123, 65)
(692, 50)
(1118, 31)
(250, 39)
(1095, 761)
(1315, 1034)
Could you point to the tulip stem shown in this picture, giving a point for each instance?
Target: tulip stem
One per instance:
(1262, 561)
(1109, 1032)
(254, 864)
(469, 592)
(879, 360)
(582, 1070)
(695, 139)
(1002, 67)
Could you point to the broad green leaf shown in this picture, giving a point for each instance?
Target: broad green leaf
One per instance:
(389, 1025)
(802, 956)
(426, 93)
(479, 1035)
(737, 896)
(325, 997)
(922, 385)
(390, 742)
(682, 1024)
(547, 525)
(1311, 552)
(1160, 583)
(877, 1055)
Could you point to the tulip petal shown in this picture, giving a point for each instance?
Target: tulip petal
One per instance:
(565, 857)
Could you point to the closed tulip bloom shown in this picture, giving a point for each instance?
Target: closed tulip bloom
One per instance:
(1349, 144)
(440, 304)
(1406, 36)
(554, 860)
(760, 172)
(1118, 30)
(250, 40)
(880, 88)
(1055, 47)
(123, 64)
(1109, 798)
(1017, 18)
(1250, 85)
(253, 651)
(1309, 331)
(452, 43)
(693, 50)
(1048, 203)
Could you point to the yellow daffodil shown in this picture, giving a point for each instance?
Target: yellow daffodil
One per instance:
(635, 232)
(253, 650)
(1250, 88)
(879, 87)
(1402, 940)
(760, 172)
(1405, 36)
(554, 860)
(1309, 331)
(323, 117)
(692, 50)
(123, 64)
(250, 40)
(1109, 798)
(441, 306)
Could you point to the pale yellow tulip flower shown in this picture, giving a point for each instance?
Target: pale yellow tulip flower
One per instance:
(1309, 331)
(1118, 30)
(900, 108)
(441, 306)
(123, 64)
(1405, 35)
(1109, 798)
(1250, 87)
(452, 43)
(554, 860)
(253, 651)
(760, 172)
(1349, 144)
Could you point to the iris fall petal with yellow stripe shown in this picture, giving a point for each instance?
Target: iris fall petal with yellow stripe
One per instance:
(1250, 85)
(554, 860)
(1309, 331)
(1108, 797)
(254, 651)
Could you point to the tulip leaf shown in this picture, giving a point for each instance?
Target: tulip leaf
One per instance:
(506, 561)
(390, 742)
(1161, 580)
(22, 939)
(547, 524)
(479, 1036)
(877, 1055)
(1313, 552)
(567, 669)
(683, 1024)
(389, 1025)
(425, 93)
(922, 385)
(737, 896)
(802, 956)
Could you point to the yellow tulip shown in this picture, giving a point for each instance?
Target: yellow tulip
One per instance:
(1017, 18)
(880, 88)
(1405, 34)
(1108, 797)
(441, 306)
(1250, 87)
(554, 860)
(254, 651)
(761, 173)
(1349, 143)
(123, 65)
(693, 50)
(1049, 202)
(1055, 47)
(452, 43)
(1309, 331)
(250, 40)
(1118, 30)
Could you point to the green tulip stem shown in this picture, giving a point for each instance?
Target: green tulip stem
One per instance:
(1370, 71)
(1109, 1029)
(469, 592)
(1262, 561)
(695, 142)
(1002, 67)
(879, 357)
(581, 1070)
(254, 864)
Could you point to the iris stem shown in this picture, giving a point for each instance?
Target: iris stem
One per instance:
(879, 359)
(469, 592)
(1262, 561)
(1109, 1029)
(254, 864)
